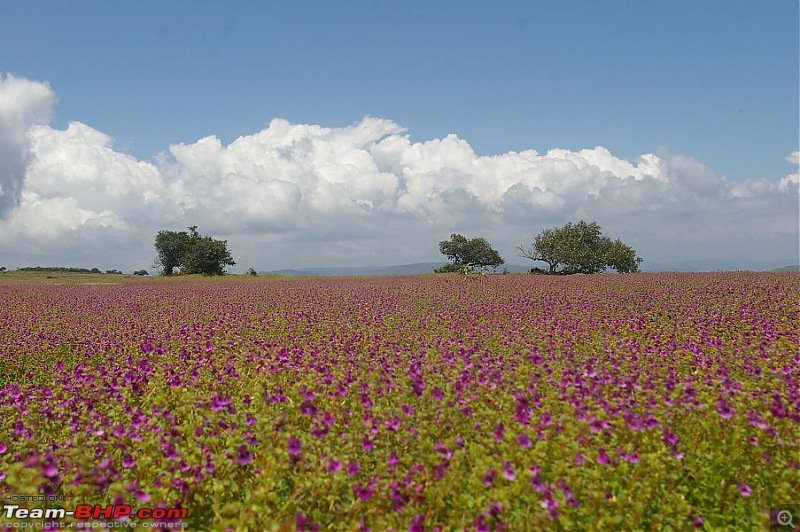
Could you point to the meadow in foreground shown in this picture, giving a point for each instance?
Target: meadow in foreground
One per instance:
(644, 401)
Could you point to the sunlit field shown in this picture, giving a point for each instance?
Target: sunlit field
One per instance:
(510, 402)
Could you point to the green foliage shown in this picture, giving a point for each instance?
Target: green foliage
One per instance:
(581, 248)
(171, 247)
(140, 272)
(621, 257)
(252, 271)
(56, 269)
(476, 252)
(192, 253)
(450, 267)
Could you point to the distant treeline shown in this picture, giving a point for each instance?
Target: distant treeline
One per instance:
(57, 269)
(61, 269)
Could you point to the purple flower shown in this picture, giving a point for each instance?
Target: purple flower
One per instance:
(523, 440)
(550, 504)
(670, 438)
(488, 478)
(417, 524)
(602, 456)
(244, 456)
(353, 468)
(744, 489)
(498, 432)
(304, 523)
(308, 409)
(128, 462)
(724, 409)
(441, 448)
(295, 446)
(364, 492)
(480, 523)
(170, 451)
(508, 471)
(569, 496)
(219, 403)
(634, 422)
(319, 431)
(778, 410)
(50, 471)
(366, 402)
(367, 444)
(393, 424)
(393, 460)
(536, 480)
(333, 466)
(523, 411)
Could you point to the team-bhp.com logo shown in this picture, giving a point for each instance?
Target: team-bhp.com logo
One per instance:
(121, 514)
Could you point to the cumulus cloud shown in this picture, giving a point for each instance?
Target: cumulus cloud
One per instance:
(302, 195)
(23, 103)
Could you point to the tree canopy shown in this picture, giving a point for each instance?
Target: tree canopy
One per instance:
(192, 253)
(581, 248)
(468, 252)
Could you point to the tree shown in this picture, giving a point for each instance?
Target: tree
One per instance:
(468, 252)
(192, 253)
(171, 247)
(622, 258)
(581, 248)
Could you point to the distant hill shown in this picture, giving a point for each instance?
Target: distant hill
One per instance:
(428, 267)
(713, 265)
(792, 268)
(400, 269)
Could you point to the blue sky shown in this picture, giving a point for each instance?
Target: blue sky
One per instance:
(717, 80)
(714, 81)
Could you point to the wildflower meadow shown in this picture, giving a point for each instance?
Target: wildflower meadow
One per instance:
(434, 402)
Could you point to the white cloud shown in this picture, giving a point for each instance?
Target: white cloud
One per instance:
(23, 103)
(302, 195)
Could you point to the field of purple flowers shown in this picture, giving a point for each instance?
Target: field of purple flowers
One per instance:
(643, 401)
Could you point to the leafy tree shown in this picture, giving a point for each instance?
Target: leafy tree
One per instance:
(468, 252)
(192, 253)
(171, 247)
(581, 248)
(621, 257)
